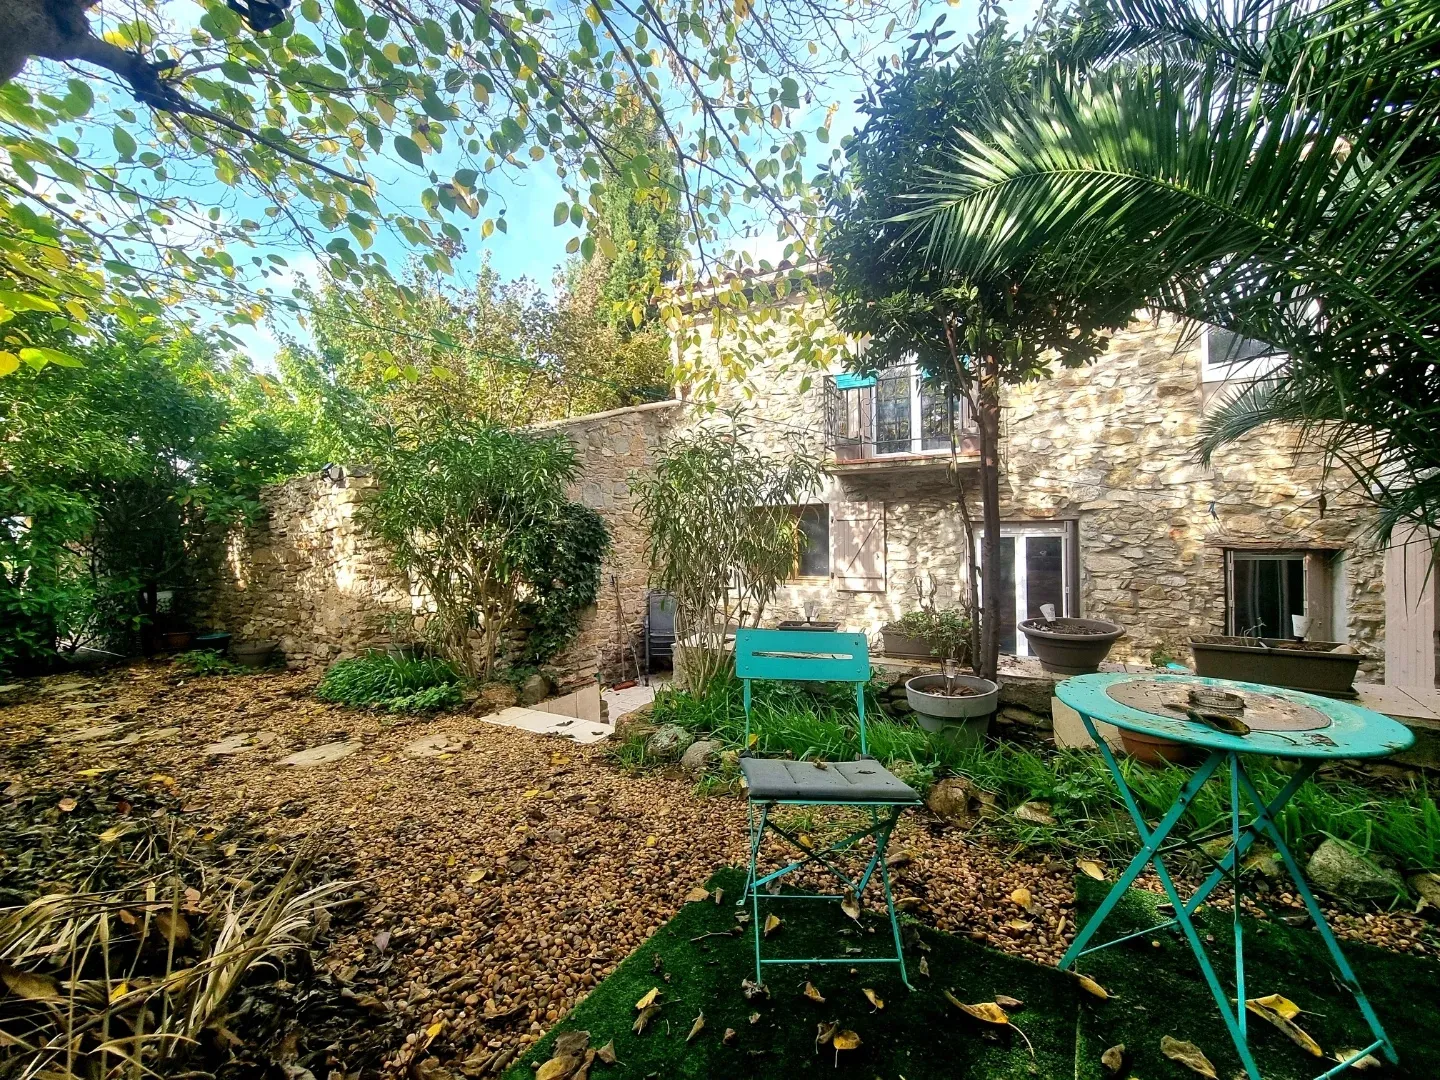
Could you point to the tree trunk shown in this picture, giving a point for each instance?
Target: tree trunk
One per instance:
(988, 400)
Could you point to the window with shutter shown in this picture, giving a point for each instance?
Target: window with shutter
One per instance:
(857, 545)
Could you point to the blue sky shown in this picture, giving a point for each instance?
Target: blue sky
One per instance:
(533, 246)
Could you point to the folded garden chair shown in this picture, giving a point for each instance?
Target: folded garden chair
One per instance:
(805, 656)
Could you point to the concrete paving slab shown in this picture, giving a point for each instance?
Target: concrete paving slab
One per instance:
(543, 723)
(321, 755)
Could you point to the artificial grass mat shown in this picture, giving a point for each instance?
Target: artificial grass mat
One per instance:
(1157, 989)
(917, 1035)
(1154, 991)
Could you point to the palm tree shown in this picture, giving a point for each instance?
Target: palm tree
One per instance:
(1267, 167)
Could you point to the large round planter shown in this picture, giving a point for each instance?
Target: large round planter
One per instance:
(402, 653)
(179, 640)
(254, 653)
(903, 646)
(217, 641)
(1070, 646)
(962, 721)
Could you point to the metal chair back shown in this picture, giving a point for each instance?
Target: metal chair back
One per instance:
(803, 656)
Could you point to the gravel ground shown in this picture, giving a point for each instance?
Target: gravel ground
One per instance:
(508, 875)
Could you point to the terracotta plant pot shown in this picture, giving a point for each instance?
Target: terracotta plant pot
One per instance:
(1315, 666)
(1070, 646)
(1153, 750)
(179, 639)
(962, 721)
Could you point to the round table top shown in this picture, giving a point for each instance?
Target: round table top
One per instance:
(1351, 731)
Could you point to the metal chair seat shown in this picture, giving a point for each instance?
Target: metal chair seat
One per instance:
(864, 781)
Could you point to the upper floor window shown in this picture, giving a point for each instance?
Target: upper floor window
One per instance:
(895, 411)
(1225, 355)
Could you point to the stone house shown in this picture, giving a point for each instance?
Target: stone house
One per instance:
(1107, 511)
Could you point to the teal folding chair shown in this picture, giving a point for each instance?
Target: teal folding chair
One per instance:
(805, 656)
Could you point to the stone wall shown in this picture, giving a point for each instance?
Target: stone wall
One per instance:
(1110, 447)
(309, 576)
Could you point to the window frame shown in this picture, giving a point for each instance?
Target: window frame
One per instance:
(1067, 529)
(1302, 556)
(916, 448)
(823, 511)
(1247, 370)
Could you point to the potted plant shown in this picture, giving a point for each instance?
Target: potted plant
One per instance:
(810, 622)
(1070, 646)
(400, 626)
(1320, 667)
(956, 707)
(926, 633)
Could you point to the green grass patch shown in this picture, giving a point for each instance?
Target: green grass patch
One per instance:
(1157, 990)
(202, 662)
(918, 1035)
(380, 681)
(808, 720)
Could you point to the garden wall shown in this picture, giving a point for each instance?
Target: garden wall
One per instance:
(310, 577)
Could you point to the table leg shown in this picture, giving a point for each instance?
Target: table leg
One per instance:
(1347, 974)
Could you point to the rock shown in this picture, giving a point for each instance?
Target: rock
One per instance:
(1027, 692)
(1428, 887)
(639, 721)
(430, 746)
(699, 755)
(668, 742)
(1035, 813)
(1024, 717)
(960, 801)
(320, 755)
(1345, 874)
(534, 689)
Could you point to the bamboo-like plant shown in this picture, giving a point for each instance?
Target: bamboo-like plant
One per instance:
(723, 534)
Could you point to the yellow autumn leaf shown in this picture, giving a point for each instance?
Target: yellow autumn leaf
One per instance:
(1090, 986)
(874, 998)
(649, 999)
(1275, 1016)
(845, 1040)
(115, 832)
(1092, 869)
(650, 841)
(814, 994)
(118, 991)
(531, 793)
(1021, 898)
(804, 840)
(986, 1011)
(697, 895)
(1278, 1003)
(772, 923)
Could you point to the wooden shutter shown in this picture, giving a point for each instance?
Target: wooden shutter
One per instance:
(857, 546)
(1410, 610)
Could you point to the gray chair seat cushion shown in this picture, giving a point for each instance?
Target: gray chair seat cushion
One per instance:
(836, 781)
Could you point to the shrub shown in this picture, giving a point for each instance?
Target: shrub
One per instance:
(947, 632)
(208, 662)
(377, 680)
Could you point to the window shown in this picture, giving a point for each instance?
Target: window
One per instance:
(813, 557)
(896, 411)
(1224, 355)
(1035, 568)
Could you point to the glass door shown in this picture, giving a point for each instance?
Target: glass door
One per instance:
(1033, 571)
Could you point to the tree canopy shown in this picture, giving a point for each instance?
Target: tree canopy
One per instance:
(257, 126)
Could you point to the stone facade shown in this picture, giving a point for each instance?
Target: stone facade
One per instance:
(1110, 451)
(309, 576)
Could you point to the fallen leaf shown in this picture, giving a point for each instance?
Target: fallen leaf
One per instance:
(697, 895)
(1090, 986)
(650, 841)
(115, 832)
(570, 1043)
(161, 778)
(1277, 1017)
(1008, 1003)
(804, 840)
(557, 1068)
(531, 793)
(754, 1017)
(813, 994)
(29, 985)
(646, 1015)
(719, 893)
(1093, 869)
(824, 1032)
(1021, 898)
(1019, 924)
(1035, 812)
(845, 1040)
(172, 926)
(648, 1000)
(896, 859)
(67, 804)
(1114, 1059)
(729, 1037)
(924, 967)
(1369, 1061)
(987, 1011)
(875, 999)
(1187, 1054)
(382, 941)
(697, 1027)
(772, 923)
(118, 991)
(850, 905)
(751, 989)
(606, 1053)
(1277, 1003)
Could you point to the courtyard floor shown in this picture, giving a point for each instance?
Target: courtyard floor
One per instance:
(504, 874)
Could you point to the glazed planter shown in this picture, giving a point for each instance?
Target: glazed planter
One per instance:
(217, 641)
(1314, 666)
(801, 624)
(903, 646)
(254, 653)
(962, 720)
(402, 652)
(1070, 646)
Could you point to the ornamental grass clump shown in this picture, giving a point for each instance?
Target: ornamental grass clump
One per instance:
(380, 681)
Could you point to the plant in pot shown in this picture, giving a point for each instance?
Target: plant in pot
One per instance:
(956, 707)
(1069, 646)
(400, 628)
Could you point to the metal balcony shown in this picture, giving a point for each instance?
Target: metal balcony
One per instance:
(895, 418)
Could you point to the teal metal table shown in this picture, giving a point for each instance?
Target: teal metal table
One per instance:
(1305, 728)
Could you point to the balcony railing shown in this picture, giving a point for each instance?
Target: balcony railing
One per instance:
(896, 414)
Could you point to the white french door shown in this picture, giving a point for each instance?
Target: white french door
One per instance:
(1034, 570)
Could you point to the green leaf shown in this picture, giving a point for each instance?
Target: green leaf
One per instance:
(789, 93)
(409, 149)
(37, 358)
(80, 98)
(125, 144)
(349, 14)
(9, 362)
(562, 213)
